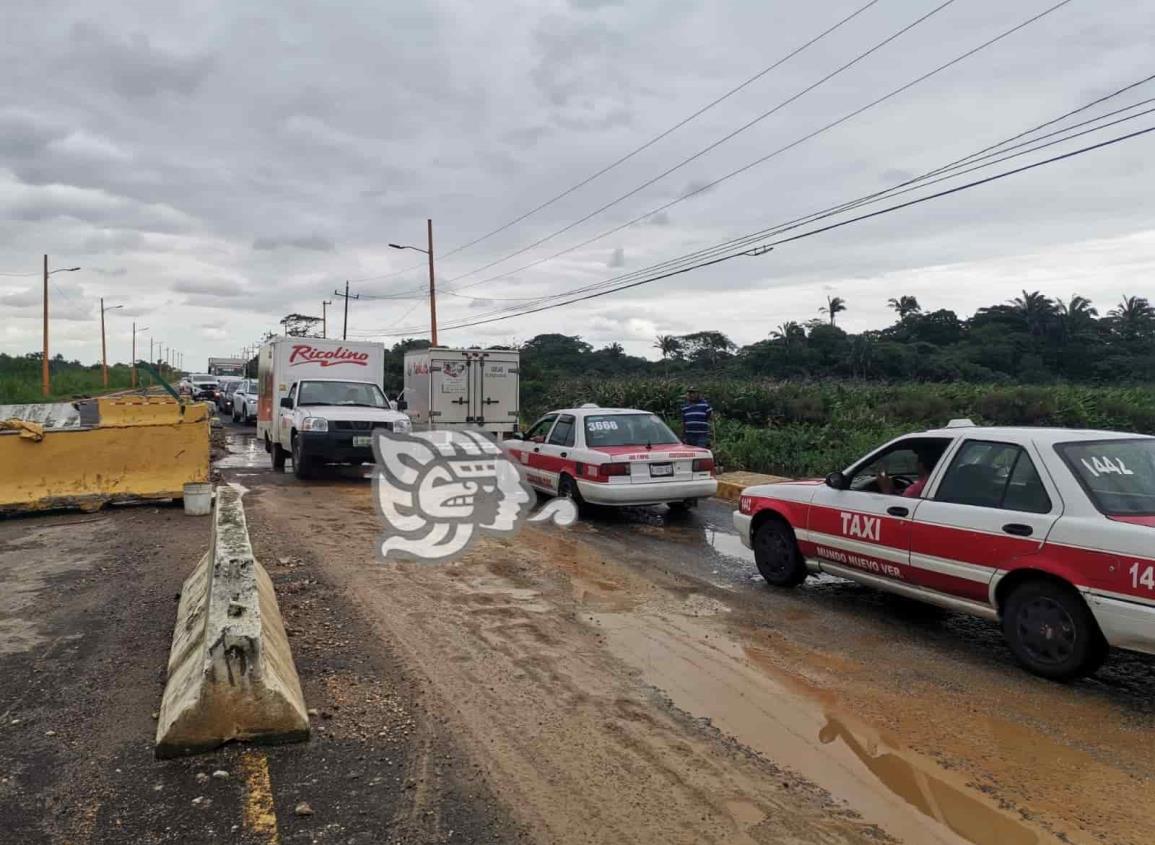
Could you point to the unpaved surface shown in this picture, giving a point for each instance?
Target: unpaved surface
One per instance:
(627, 680)
(632, 680)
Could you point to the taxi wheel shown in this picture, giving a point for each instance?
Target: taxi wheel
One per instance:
(567, 489)
(777, 556)
(1052, 632)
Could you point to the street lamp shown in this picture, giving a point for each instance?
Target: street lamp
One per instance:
(45, 380)
(432, 294)
(134, 331)
(103, 345)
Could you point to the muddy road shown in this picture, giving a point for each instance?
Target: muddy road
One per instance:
(626, 680)
(632, 679)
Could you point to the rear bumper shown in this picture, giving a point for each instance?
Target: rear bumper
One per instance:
(335, 447)
(742, 526)
(652, 493)
(1125, 624)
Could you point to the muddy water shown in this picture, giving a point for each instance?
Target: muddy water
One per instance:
(711, 675)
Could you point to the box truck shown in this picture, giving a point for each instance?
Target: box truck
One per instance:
(320, 400)
(463, 388)
(226, 366)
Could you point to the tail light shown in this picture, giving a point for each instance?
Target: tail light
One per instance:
(704, 465)
(608, 470)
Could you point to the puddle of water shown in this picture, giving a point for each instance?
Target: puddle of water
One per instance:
(707, 674)
(245, 452)
(726, 544)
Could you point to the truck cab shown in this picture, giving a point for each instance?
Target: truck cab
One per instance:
(330, 421)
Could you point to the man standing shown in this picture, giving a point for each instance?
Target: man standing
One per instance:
(696, 414)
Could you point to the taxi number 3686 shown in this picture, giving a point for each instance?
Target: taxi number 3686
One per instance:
(1142, 576)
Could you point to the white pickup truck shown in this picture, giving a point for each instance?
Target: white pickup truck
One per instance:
(330, 421)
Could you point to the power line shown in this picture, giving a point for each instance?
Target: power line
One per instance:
(818, 231)
(715, 144)
(762, 160)
(701, 111)
(19, 274)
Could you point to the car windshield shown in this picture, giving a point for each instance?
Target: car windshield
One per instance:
(1118, 475)
(342, 393)
(204, 380)
(627, 430)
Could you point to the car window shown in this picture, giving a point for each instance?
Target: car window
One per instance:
(627, 430)
(988, 474)
(540, 428)
(901, 461)
(1118, 475)
(563, 432)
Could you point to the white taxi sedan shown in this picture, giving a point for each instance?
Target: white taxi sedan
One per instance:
(1049, 531)
(613, 456)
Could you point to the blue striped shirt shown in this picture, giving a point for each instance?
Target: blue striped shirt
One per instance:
(696, 417)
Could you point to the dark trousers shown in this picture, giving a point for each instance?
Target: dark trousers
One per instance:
(702, 440)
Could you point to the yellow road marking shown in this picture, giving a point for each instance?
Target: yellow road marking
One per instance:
(260, 816)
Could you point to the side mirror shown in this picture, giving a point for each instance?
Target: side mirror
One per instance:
(402, 405)
(837, 481)
(286, 402)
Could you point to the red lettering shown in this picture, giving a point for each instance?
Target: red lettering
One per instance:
(303, 353)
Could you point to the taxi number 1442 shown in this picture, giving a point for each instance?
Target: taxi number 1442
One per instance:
(1142, 576)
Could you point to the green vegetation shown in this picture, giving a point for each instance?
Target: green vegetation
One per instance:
(809, 429)
(20, 378)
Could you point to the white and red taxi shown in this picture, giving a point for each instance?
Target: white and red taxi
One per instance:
(1050, 531)
(613, 456)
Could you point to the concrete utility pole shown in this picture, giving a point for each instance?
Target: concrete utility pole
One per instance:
(103, 345)
(325, 303)
(432, 284)
(347, 297)
(45, 378)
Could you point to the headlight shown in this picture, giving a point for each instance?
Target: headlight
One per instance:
(314, 424)
(402, 425)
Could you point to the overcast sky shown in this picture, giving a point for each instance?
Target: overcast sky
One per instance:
(214, 166)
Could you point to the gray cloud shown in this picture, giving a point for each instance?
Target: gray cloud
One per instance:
(618, 258)
(133, 66)
(317, 243)
(208, 287)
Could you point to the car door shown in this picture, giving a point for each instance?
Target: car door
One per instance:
(285, 417)
(863, 528)
(527, 451)
(555, 455)
(990, 506)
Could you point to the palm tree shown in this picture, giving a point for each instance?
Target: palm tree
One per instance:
(1035, 309)
(1076, 314)
(790, 333)
(1134, 315)
(904, 306)
(834, 306)
(669, 345)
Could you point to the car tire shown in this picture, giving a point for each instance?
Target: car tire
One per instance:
(567, 489)
(1051, 631)
(279, 456)
(268, 445)
(303, 465)
(777, 555)
(235, 418)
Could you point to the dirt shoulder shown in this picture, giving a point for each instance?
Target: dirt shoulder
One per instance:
(87, 607)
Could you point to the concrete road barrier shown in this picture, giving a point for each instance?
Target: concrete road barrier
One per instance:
(230, 670)
(731, 484)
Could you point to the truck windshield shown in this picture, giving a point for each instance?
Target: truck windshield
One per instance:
(627, 430)
(342, 393)
(1118, 475)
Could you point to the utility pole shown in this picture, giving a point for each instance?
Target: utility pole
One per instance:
(346, 297)
(432, 292)
(432, 288)
(103, 345)
(134, 351)
(45, 385)
(325, 303)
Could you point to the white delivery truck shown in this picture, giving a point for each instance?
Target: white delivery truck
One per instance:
(319, 401)
(463, 388)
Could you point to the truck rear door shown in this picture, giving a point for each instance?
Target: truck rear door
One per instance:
(449, 383)
(493, 391)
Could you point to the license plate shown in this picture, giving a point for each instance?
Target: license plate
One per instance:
(362, 440)
(659, 470)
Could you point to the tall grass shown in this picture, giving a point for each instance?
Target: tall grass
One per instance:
(811, 428)
(20, 387)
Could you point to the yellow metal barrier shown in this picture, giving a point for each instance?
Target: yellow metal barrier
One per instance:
(105, 450)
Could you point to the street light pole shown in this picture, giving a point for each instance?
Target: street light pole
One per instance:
(432, 289)
(45, 379)
(432, 293)
(325, 303)
(103, 345)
